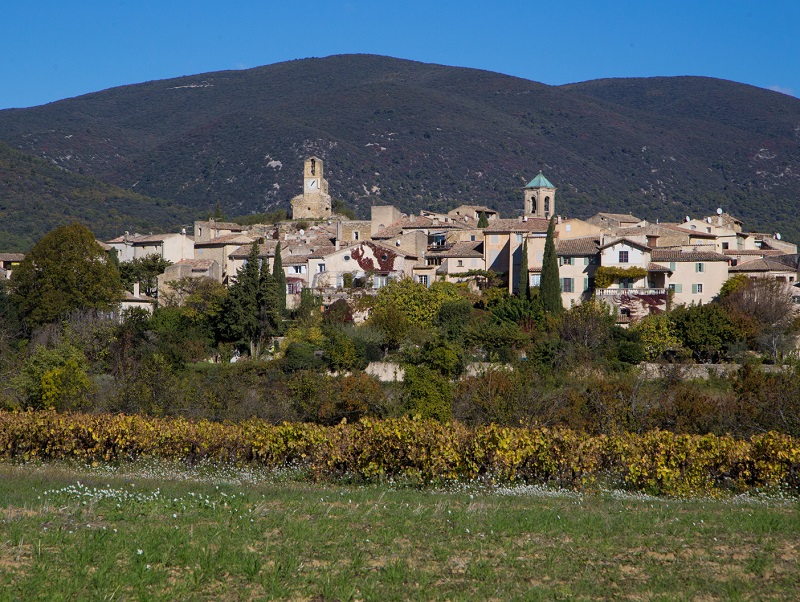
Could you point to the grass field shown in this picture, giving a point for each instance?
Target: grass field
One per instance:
(161, 533)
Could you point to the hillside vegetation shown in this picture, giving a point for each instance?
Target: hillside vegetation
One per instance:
(421, 135)
(37, 196)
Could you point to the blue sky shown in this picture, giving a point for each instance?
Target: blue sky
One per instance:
(54, 49)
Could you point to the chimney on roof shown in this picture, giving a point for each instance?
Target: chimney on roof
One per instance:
(136, 289)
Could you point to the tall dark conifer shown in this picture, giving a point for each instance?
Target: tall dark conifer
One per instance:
(483, 221)
(524, 278)
(550, 286)
(279, 277)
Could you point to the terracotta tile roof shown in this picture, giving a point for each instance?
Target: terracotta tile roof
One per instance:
(477, 208)
(677, 255)
(12, 256)
(620, 217)
(585, 245)
(460, 249)
(654, 267)
(197, 265)
(294, 259)
(648, 230)
(695, 233)
(266, 249)
(762, 265)
(149, 238)
(615, 241)
(532, 224)
(325, 250)
(226, 239)
(223, 226)
(421, 222)
(758, 252)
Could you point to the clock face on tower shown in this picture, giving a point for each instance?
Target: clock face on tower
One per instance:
(312, 185)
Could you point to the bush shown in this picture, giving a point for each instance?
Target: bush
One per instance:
(301, 356)
(422, 451)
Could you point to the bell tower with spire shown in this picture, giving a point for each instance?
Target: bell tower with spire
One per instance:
(540, 197)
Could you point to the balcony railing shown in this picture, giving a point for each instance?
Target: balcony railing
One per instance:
(613, 292)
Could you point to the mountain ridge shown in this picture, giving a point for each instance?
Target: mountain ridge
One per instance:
(416, 135)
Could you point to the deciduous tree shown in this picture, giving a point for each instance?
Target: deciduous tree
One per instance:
(144, 270)
(66, 270)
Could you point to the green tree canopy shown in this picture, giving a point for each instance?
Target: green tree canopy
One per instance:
(144, 270)
(66, 270)
(251, 311)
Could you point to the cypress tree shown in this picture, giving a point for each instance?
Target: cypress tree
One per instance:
(483, 221)
(280, 278)
(269, 308)
(524, 278)
(241, 312)
(550, 286)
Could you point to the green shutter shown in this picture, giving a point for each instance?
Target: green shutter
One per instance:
(678, 288)
(694, 289)
(585, 261)
(586, 284)
(561, 284)
(672, 266)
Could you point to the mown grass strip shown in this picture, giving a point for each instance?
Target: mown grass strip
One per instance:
(81, 534)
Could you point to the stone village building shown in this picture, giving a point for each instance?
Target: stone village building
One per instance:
(677, 263)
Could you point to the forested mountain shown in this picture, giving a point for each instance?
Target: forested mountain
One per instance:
(37, 196)
(421, 135)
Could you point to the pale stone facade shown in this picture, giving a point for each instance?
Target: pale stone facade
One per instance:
(220, 248)
(693, 276)
(350, 232)
(204, 231)
(188, 268)
(172, 247)
(578, 259)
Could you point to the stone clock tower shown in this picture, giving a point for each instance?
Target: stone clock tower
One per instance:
(315, 202)
(540, 197)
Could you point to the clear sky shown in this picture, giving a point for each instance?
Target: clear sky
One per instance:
(54, 49)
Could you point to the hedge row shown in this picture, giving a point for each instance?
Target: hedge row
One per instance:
(421, 451)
